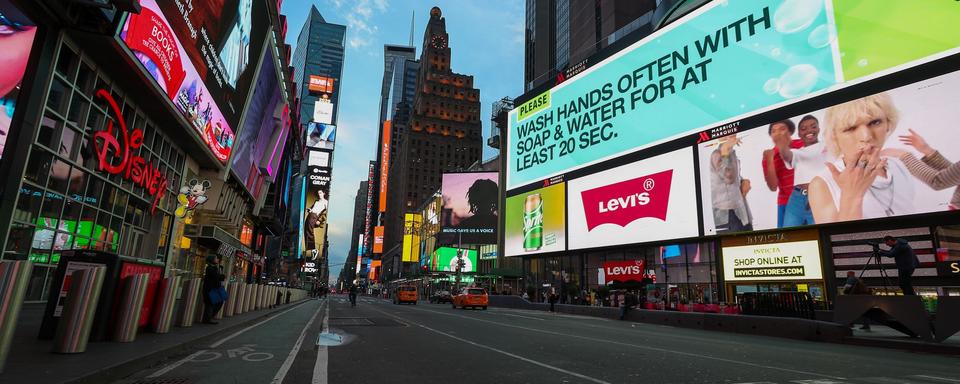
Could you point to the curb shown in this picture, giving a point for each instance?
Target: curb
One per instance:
(905, 345)
(123, 369)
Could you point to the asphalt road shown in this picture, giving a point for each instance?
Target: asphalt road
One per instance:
(378, 342)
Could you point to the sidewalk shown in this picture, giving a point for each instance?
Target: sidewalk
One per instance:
(30, 359)
(886, 337)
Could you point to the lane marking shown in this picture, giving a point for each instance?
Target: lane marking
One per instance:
(500, 351)
(521, 316)
(937, 378)
(690, 354)
(240, 332)
(285, 367)
(173, 366)
(320, 375)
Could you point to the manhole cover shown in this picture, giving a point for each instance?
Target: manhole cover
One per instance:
(163, 380)
(348, 321)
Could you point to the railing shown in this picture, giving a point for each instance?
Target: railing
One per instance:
(780, 304)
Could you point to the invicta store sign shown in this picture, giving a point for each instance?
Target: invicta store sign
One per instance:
(776, 260)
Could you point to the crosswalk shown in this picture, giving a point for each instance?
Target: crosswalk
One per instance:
(914, 379)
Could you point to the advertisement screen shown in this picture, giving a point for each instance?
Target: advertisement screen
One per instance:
(411, 237)
(16, 44)
(803, 169)
(724, 60)
(470, 208)
(384, 166)
(317, 187)
(774, 257)
(445, 259)
(378, 239)
(321, 84)
(648, 200)
(323, 111)
(318, 158)
(321, 136)
(535, 221)
(262, 120)
(200, 54)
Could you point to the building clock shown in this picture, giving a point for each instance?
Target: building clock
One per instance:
(438, 41)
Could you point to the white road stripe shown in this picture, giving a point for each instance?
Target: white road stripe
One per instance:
(521, 316)
(320, 373)
(639, 346)
(282, 373)
(173, 366)
(240, 332)
(518, 357)
(938, 379)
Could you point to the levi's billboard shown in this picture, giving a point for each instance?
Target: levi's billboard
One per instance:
(648, 200)
(623, 271)
(723, 61)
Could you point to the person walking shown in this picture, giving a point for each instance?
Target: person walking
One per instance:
(552, 298)
(212, 278)
(353, 295)
(906, 261)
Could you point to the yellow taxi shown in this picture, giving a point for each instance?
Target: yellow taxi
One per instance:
(405, 294)
(471, 297)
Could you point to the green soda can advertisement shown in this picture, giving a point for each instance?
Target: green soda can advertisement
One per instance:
(536, 221)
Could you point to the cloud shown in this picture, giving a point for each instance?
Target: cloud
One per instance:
(362, 34)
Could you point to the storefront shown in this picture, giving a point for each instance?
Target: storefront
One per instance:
(788, 261)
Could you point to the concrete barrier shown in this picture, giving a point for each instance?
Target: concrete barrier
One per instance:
(228, 307)
(129, 307)
(73, 329)
(14, 276)
(167, 298)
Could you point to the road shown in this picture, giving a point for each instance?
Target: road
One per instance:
(378, 342)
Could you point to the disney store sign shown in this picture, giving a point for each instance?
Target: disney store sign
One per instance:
(116, 154)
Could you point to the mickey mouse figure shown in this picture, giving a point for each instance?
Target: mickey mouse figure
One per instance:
(191, 196)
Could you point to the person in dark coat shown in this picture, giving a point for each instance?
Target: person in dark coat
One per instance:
(906, 260)
(629, 301)
(212, 279)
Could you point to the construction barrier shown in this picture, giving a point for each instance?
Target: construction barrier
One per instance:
(163, 317)
(73, 329)
(231, 299)
(14, 276)
(191, 294)
(128, 309)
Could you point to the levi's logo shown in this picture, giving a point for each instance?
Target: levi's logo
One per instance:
(626, 201)
(631, 270)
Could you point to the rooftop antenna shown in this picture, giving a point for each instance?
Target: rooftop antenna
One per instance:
(412, 17)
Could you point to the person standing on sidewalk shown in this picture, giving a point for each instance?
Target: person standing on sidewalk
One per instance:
(906, 260)
(552, 298)
(212, 278)
(629, 301)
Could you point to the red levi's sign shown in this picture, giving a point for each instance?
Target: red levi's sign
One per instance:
(623, 202)
(623, 271)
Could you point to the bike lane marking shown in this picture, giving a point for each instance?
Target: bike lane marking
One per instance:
(285, 367)
(320, 372)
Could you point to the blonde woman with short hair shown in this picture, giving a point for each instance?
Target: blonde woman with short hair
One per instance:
(859, 183)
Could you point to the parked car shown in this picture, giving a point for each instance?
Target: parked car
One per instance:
(441, 297)
(471, 297)
(405, 294)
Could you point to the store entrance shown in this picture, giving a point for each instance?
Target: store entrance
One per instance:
(814, 288)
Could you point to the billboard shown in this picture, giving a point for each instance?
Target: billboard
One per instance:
(318, 158)
(384, 166)
(724, 60)
(624, 271)
(264, 117)
(411, 237)
(470, 208)
(648, 200)
(445, 259)
(317, 187)
(322, 84)
(378, 239)
(17, 44)
(323, 111)
(535, 221)
(368, 213)
(200, 57)
(785, 256)
(322, 136)
(892, 140)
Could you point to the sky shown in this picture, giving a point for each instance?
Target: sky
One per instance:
(486, 41)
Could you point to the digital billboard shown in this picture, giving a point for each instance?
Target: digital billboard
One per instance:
(723, 61)
(264, 118)
(317, 187)
(411, 237)
(647, 200)
(321, 136)
(323, 111)
(384, 166)
(16, 45)
(200, 56)
(535, 221)
(318, 158)
(785, 256)
(882, 154)
(321, 84)
(470, 208)
(445, 259)
(378, 239)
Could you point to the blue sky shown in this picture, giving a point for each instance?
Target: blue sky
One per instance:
(486, 39)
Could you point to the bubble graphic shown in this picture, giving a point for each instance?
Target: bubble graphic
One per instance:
(798, 80)
(821, 36)
(775, 52)
(771, 86)
(862, 62)
(796, 15)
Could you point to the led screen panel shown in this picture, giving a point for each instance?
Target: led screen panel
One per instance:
(535, 221)
(446, 259)
(16, 43)
(470, 208)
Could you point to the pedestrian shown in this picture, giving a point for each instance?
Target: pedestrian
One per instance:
(552, 298)
(906, 261)
(212, 279)
(353, 295)
(855, 286)
(525, 296)
(279, 297)
(629, 301)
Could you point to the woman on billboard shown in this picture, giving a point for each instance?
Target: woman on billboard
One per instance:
(729, 189)
(860, 183)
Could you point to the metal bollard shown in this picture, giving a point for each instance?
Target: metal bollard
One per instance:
(14, 276)
(231, 299)
(262, 293)
(241, 298)
(251, 293)
(191, 292)
(128, 315)
(163, 318)
(258, 297)
(73, 330)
